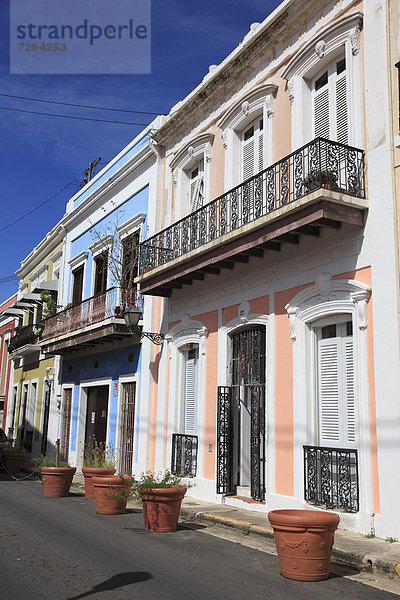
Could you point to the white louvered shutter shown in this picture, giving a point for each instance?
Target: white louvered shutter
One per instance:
(261, 152)
(348, 391)
(329, 392)
(336, 390)
(342, 130)
(248, 158)
(190, 391)
(321, 114)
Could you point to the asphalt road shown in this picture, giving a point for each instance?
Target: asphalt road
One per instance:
(60, 549)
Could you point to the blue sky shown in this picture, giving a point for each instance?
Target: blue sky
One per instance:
(41, 155)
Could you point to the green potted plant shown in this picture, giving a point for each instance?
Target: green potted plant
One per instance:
(98, 461)
(325, 178)
(57, 476)
(161, 495)
(11, 457)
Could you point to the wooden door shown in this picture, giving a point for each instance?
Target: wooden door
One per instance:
(96, 415)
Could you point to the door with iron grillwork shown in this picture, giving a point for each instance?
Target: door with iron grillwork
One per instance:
(65, 424)
(127, 428)
(241, 418)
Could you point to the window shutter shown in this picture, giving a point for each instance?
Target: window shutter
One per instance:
(341, 111)
(248, 159)
(190, 394)
(321, 114)
(349, 395)
(329, 391)
(261, 152)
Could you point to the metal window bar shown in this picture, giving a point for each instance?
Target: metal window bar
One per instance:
(127, 429)
(184, 455)
(331, 478)
(319, 164)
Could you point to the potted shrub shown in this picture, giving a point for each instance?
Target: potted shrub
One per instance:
(161, 496)
(98, 461)
(11, 457)
(325, 178)
(111, 493)
(56, 476)
(304, 540)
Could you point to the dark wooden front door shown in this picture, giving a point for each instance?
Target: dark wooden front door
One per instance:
(96, 415)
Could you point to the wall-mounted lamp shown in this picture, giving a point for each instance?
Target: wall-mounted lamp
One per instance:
(132, 315)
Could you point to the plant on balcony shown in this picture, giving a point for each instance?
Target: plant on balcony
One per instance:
(57, 476)
(325, 178)
(121, 255)
(98, 461)
(11, 457)
(50, 305)
(161, 495)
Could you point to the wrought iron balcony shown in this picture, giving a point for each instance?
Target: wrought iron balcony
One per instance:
(184, 455)
(86, 323)
(25, 336)
(331, 478)
(319, 171)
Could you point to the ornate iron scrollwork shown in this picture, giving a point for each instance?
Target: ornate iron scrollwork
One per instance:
(225, 441)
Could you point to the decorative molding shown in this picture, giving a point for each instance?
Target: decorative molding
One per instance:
(252, 101)
(244, 310)
(334, 35)
(320, 48)
(269, 101)
(196, 147)
(101, 245)
(77, 260)
(245, 108)
(328, 297)
(224, 140)
(355, 40)
(207, 152)
(131, 225)
(290, 85)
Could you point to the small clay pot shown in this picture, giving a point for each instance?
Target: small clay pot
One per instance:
(304, 540)
(57, 481)
(161, 508)
(106, 490)
(88, 473)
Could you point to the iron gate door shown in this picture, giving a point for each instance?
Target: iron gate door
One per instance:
(127, 428)
(247, 395)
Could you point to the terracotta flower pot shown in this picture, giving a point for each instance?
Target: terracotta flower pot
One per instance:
(57, 481)
(304, 540)
(12, 461)
(161, 508)
(107, 502)
(88, 473)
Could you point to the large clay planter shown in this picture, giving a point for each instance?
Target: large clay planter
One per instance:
(12, 461)
(107, 502)
(304, 540)
(161, 508)
(57, 481)
(88, 473)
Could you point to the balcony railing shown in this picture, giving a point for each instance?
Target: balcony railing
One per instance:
(331, 478)
(31, 334)
(90, 311)
(184, 455)
(319, 164)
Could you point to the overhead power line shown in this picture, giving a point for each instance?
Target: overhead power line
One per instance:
(37, 207)
(34, 112)
(9, 279)
(138, 112)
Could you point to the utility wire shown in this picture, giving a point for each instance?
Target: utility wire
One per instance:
(138, 112)
(10, 279)
(37, 207)
(34, 112)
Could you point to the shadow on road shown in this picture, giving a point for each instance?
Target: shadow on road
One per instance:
(115, 582)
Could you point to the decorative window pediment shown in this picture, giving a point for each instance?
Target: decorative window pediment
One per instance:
(327, 297)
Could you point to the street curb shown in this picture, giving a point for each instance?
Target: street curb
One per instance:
(353, 559)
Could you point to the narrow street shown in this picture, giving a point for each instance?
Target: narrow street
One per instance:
(59, 548)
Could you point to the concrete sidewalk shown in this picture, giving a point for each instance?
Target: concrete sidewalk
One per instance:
(350, 548)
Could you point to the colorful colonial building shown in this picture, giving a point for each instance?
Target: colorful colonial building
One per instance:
(7, 324)
(274, 271)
